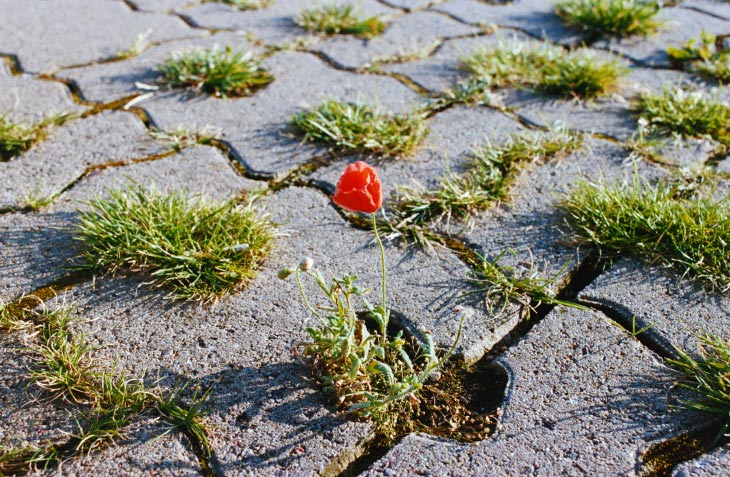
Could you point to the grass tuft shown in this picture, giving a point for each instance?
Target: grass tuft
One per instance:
(708, 58)
(503, 285)
(547, 68)
(655, 223)
(611, 17)
(16, 138)
(355, 128)
(216, 71)
(186, 417)
(200, 249)
(486, 180)
(708, 376)
(685, 113)
(183, 138)
(344, 19)
(244, 4)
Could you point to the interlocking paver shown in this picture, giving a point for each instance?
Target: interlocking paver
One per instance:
(72, 150)
(45, 36)
(28, 100)
(713, 464)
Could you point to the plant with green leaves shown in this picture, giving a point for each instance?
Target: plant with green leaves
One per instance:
(199, 248)
(181, 138)
(545, 67)
(358, 128)
(486, 180)
(657, 223)
(611, 17)
(370, 372)
(707, 57)
(708, 376)
(216, 71)
(689, 114)
(340, 19)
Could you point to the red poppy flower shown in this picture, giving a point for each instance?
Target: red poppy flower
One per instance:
(359, 189)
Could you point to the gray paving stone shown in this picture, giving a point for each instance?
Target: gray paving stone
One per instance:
(405, 34)
(715, 8)
(72, 150)
(258, 126)
(411, 5)
(107, 82)
(37, 248)
(676, 309)
(535, 17)
(49, 35)
(273, 25)
(681, 25)
(144, 451)
(713, 464)
(27, 417)
(28, 100)
(584, 398)
(4, 68)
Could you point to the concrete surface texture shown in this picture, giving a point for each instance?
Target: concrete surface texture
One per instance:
(586, 393)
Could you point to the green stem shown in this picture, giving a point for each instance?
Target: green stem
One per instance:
(386, 313)
(304, 296)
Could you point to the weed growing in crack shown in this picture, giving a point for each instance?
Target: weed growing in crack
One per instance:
(16, 138)
(183, 138)
(708, 376)
(199, 249)
(502, 285)
(706, 56)
(138, 46)
(244, 4)
(685, 113)
(110, 401)
(473, 92)
(487, 179)
(611, 17)
(355, 128)
(340, 19)
(654, 223)
(547, 68)
(404, 56)
(371, 373)
(216, 71)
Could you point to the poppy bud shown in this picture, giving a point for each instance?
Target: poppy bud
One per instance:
(284, 273)
(306, 264)
(359, 189)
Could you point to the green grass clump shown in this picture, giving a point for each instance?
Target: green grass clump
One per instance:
(708, 376)
(548, 69)
(656, 223)
(245, 4)
(355, 128)
(343, 19)
(685, 113)
(487, 179)
(182, 138)
(64, 368)
(16, 138)
(199, 249)
(502, 285)
(220, 72)
(611, 17)
(707, 58)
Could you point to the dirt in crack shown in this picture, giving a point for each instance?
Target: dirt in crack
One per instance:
(661, 458)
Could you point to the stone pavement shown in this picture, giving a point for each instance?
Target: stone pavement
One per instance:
(584, 396)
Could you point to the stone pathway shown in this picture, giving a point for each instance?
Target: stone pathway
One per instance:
(584, 396)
